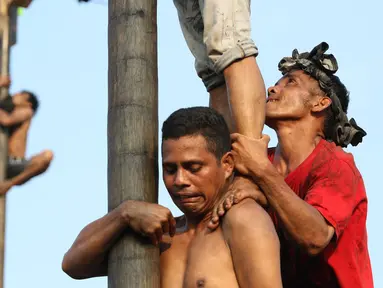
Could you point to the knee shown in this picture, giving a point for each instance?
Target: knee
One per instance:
(48, 156)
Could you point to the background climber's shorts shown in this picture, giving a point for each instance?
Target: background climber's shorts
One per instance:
(218, 32)
(16, 166)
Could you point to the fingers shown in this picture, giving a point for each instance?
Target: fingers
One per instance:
(228, 202)
(214, 221)
(258, 196)
(5, 81)
(234, 137)
(165, 227)
(155, 234)
(265, 138)
(172, 226)
(153, 238)
(262, 200)
(239, 196)
(213, 225)
(158, 234)
(168, 224)
(221, 209)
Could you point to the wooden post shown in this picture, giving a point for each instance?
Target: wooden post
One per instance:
(8, 20)
(133, 133)
(4, 66)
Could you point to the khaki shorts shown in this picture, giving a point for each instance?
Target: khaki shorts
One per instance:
(217, 32)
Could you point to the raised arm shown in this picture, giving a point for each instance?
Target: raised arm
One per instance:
(89, 253)
(18, 116)
(254, 245)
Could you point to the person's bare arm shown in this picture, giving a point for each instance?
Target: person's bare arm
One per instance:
(302, 221)
(88, 255)
(254, 245)
(18, 116)
(321, 217)
(305, 224)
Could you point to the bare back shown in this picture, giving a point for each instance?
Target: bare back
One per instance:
(201, 259)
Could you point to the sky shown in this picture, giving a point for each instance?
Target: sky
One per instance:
(61, 55)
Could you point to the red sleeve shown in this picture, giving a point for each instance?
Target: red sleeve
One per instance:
(332, 193)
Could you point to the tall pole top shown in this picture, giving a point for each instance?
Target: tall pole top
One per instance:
(6, 4)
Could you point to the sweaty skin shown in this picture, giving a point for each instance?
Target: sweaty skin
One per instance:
(241, 252)
(226, 257)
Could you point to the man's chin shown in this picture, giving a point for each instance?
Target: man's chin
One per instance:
(270, 121)
(192, 210)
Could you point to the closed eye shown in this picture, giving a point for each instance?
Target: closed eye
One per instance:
(193, 167)
(169, 169)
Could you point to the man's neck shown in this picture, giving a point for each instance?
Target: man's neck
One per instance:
(194, 223)
(296, 141)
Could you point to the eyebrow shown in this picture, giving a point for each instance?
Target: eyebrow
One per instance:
(187, 162)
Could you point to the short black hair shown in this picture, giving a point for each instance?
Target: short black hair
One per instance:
(32, 99)
(202, 121)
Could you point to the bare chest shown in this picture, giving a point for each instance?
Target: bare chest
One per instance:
(203, 261)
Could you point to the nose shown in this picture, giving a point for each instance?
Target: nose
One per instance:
(181, 178)
(273, 90)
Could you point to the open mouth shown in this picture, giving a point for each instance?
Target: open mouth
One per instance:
(272, 100)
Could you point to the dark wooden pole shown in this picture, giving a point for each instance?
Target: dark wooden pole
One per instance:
(4, 58)
(8, 29)
(133, 133)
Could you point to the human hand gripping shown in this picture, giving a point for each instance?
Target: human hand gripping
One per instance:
(241, 188)
(250, 155)
(149, 219)
(5, 81)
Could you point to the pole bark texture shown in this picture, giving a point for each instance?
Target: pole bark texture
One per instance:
(133, 133)
(4, 60)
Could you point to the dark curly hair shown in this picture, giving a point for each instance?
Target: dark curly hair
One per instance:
(202, 121)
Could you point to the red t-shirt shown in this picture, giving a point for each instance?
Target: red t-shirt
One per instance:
(329, 181)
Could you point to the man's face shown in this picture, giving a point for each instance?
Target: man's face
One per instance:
(291, 97)
(192, 175)
(21, 99)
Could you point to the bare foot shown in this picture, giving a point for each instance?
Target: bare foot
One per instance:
(5, 187)
(41, 161)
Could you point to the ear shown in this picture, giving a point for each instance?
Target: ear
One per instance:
(321, 104)
(227, 163)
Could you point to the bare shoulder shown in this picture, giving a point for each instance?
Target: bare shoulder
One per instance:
(246, 217)
(247, 211)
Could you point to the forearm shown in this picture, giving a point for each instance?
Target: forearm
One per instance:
(89, 251)
(302, 221)
(17, 116)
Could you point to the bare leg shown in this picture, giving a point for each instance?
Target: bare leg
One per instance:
(219, 101)
(247, 96)
(36, 166)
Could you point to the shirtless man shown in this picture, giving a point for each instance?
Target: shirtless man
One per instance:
(197, 171)
(16, 114)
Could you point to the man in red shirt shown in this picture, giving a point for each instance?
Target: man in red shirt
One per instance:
(315, 193)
